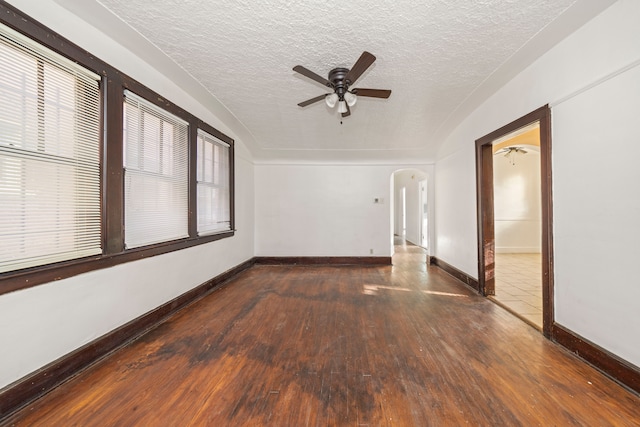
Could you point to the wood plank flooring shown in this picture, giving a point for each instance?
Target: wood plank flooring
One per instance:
(349, 346)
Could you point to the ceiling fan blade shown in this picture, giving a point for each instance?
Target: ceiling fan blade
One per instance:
(312, 100)
(372, 93)
(348, 113)
(313, 76)
(361, 65)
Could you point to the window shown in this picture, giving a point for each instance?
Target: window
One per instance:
(96, 169)
(214, 213)
(156, 178)
(49, 156)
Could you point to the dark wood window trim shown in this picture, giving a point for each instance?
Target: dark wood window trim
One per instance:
(193, 209)
(113, 85)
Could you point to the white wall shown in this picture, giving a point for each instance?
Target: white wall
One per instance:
(324, 210)
(597, 213)
(43, 323)
(596, 202)
(410, 180)
(455, 211)
(517, 212)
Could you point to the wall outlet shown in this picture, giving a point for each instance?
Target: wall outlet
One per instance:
(371, 251)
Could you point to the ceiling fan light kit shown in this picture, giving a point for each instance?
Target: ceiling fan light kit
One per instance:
(340, 80)
(350, 98)
(331, 100)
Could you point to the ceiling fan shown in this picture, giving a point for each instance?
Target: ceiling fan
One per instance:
(508, 151)
(340, 80)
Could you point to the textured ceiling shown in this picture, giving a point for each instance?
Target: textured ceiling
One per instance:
(432, 54)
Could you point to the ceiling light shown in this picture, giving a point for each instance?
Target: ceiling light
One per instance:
(350, 98)
(342, 107)
(331, 100)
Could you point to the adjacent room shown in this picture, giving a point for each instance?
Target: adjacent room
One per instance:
(319, 213)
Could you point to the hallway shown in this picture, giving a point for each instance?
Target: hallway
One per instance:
(339, 345)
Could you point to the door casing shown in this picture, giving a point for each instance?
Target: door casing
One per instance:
(485, 214)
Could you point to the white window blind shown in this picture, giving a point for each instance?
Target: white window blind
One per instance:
(214, 213)
(155, 174)
(49, 156)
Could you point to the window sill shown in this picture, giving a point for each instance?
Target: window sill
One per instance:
(30, 277)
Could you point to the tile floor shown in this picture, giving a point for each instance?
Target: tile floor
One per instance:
(519, 285)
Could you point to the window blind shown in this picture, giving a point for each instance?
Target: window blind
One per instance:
(155, 173)
(49, 156)
(214, 205)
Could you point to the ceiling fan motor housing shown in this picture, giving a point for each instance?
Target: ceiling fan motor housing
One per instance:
(340, 85)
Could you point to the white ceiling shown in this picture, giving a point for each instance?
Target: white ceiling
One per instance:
(439, 57)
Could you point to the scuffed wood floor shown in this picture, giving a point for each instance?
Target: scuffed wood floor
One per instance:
(353, 346)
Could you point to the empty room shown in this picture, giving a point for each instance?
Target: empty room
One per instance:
(319, 213)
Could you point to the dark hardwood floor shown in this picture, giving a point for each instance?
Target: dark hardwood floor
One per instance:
(332, 345)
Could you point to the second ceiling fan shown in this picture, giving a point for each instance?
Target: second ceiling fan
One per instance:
(341, 80)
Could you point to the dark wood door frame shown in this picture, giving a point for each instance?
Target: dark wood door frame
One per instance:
(484, 192)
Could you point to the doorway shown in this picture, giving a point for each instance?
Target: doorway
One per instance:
(486, 207)
(409, 204)
(517, 223)
(424, 221)
(403, 210)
